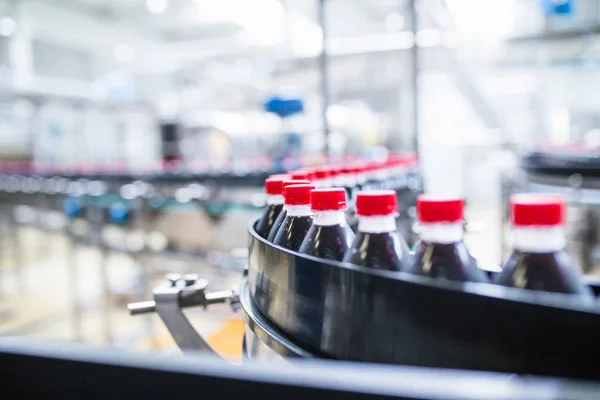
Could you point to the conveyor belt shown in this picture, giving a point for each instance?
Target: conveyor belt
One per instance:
(563, 163)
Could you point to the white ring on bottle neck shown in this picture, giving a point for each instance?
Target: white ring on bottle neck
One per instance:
(377, 223)
(329, 217)
(538, 239)
(441, 232)
(274, 199)
(321, 183)
(298, 210)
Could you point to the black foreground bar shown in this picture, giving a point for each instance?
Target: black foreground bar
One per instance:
(29, 368)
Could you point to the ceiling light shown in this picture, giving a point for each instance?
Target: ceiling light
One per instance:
(394, 22)
(7, 26)
(124, 53)
(156, 6)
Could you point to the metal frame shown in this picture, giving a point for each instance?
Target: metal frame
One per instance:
(177, 293)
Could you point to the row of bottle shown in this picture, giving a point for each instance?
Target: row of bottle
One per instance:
(389, 174)
(312, 221)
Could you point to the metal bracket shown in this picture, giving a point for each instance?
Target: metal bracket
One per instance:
(177, 293)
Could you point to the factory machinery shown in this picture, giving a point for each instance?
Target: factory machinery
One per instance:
(431, 339)
(297, 306)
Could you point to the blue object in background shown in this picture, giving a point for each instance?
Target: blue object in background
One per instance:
(284, 107)
(288, 151)
(72, 207)
(119, 213)
(558, 7)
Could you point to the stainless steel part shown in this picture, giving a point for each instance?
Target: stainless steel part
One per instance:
(175, 294)
(263, 341)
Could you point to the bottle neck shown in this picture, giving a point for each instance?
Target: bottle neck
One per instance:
(338, 181)
(443, 233)
(298, 211)
(329, 218)
(535, 239)
(377, 223)
(274, 199)
(380, 175)
(321, 183)
(360, 178)
(347, 181)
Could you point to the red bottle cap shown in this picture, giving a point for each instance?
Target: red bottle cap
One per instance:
(297, 195)
(346, 170)
(289, 182)
(376, 202)
(359, 168)
(335, 171)
(274, 184)
(300, 174)
(328, 199)
(375, 166)
(432, 209)
(529, 209)
(321, 173)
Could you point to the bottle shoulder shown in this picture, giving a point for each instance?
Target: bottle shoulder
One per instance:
(551, 271)
(329, 242)
(450, 261)
(379, 250)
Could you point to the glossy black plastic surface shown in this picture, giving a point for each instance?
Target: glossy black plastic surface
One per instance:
(327, 242)
(353, 313)
(267, 219)
(292, 231)
(552, 272)
(450, 261)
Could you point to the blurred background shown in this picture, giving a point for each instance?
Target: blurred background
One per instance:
(210, 96)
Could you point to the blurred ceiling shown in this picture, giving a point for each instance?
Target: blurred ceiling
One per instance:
(176, 20)
(225, 45)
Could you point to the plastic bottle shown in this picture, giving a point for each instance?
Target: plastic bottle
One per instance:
(539, 260)
(274, 189)
(360, 173)
(283, 213)
(347, 178)
(377, 244)
(321, 178)
(298, 219)
(302, 174)
(441, 252)
(335, 177)
(329, 236)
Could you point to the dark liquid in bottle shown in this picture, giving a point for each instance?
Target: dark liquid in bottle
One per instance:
(328, 242)
(378, 250)
(267, 219)
(550, 272)
(450, 261)
(276, 225)
(292, 232)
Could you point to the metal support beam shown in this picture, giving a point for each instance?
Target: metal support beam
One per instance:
(414, 74)
(324, 73)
